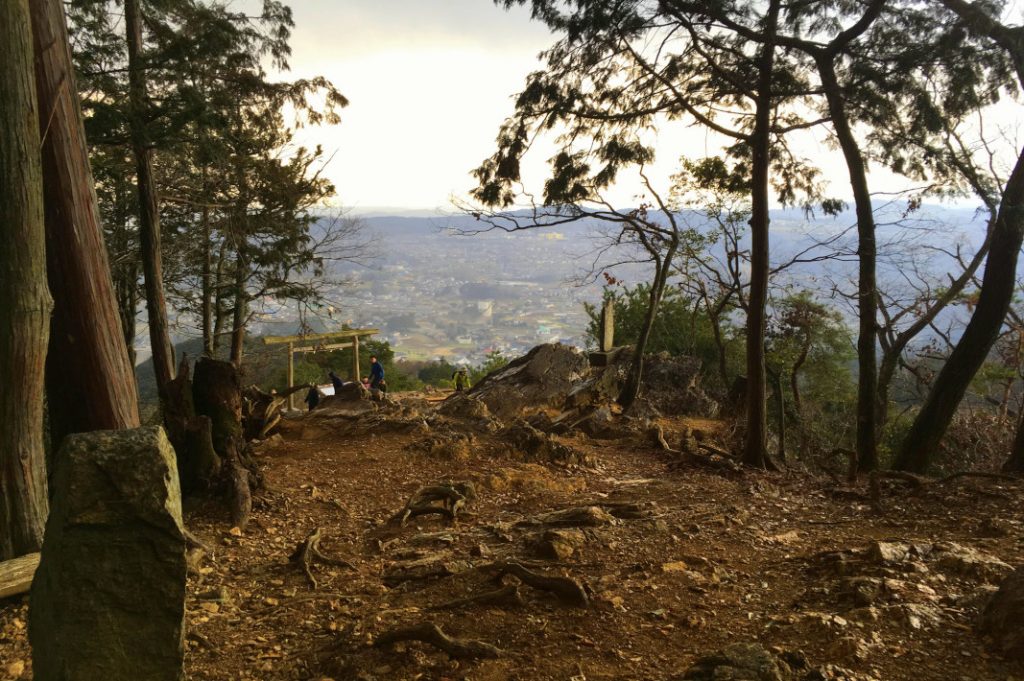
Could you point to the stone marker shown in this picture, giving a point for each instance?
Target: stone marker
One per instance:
(608, 326)
(108, 600)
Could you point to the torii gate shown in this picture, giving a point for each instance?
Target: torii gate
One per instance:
(352, 335)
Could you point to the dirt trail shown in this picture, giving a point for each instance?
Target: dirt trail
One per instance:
(716, 559)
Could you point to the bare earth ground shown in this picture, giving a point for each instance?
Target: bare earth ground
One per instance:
(723, 559)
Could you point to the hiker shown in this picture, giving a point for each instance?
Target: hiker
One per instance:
(312, 397)
(366, 382)
(336, 382)
(461, 378)
(376, 374)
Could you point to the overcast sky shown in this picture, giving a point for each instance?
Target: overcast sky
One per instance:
(429, 82)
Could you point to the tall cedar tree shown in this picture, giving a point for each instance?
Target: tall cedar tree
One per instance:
(24, 299)
(216, 123)
(90, 381)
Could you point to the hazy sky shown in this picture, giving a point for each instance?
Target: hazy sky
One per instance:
(429, 83)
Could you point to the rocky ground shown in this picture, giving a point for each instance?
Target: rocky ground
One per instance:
(588, 558)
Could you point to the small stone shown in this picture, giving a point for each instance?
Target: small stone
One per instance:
(674, 566)
(15, 669)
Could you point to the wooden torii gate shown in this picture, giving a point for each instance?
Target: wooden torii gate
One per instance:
(322, 341)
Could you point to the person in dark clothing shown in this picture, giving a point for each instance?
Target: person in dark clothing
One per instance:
(336, 382)
(312, 397)
(376, 374)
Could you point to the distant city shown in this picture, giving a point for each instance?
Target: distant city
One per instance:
(435, 293)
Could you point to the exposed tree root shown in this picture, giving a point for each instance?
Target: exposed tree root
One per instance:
(505, 596)
(565, 588)
(920, 482)
(308, 551)
(452, 497)
(627, 510)
(458, 648)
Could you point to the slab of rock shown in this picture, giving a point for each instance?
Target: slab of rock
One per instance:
(1003, 618)
(580, 516)
(561, 544)
(968, 562)
(738, 662)
(108, 600)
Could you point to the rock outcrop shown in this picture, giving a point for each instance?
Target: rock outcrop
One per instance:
(108, 600)
(1003, 618)
(541, 378)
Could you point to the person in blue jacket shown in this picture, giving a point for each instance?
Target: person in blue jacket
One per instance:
(376, 374)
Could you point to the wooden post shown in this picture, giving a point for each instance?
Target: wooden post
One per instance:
(608, 326)
(355, 359)
(291, 376)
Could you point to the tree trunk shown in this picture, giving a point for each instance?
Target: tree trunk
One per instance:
(219, 307)
(190, 433)
(867, 291)
(241, 312)
(997, 286)
(631, 389)
(207, 284)
(90, 379)
(24, 299)
(218, 396)
(780, 414)
(1015, 464)
(149, 215)
(760, 142)
(891, 353)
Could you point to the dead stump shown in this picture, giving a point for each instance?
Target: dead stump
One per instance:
(108, 600)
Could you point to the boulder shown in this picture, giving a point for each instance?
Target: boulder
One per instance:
(560, 544)
(529, 444)
(541, 378)
(672, 386)
(108, 600)
(1003, 618)
(461, 405)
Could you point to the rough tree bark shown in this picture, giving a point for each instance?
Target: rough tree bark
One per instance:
(867, 292)
(240, 314)
(89, 375)
(218, 396)
(24, 299)
(149, 214)
(1015, 464)
(760, 142)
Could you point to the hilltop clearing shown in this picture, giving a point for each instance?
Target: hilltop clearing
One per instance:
(578, 556)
